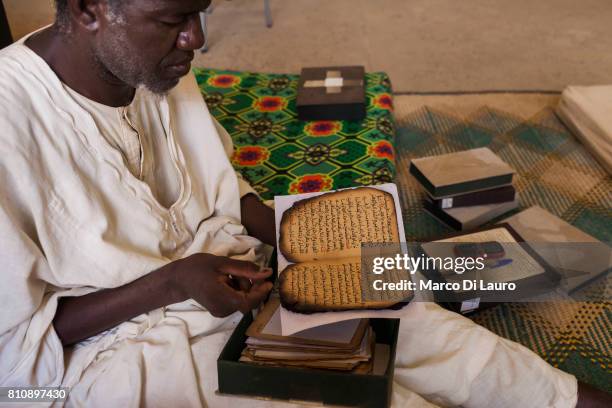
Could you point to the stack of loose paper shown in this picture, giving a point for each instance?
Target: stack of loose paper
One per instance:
(466, 189)
(348, 345)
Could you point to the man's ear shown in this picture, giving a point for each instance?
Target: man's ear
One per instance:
(86, 13)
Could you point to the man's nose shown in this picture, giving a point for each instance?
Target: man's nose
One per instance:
(192, 36)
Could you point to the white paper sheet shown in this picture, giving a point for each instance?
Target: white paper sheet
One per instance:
(337, 333)
(294, 322)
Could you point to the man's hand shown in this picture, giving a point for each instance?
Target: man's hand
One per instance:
(220, 284)
(258, 219)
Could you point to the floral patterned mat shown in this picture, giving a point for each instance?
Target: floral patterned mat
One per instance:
(279, 154)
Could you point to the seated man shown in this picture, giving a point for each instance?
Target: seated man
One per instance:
(130, 245)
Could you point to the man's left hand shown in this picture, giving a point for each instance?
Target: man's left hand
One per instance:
(258, 219)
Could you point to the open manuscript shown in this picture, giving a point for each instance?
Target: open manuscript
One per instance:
(323, 236)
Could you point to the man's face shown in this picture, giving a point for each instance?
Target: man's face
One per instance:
(150, 43)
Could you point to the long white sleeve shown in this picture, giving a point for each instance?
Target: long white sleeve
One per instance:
(32, 354)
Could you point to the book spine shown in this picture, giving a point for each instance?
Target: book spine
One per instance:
(494, 196)
(432, 209)
(472, 186)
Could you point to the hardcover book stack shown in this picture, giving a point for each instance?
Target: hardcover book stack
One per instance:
(466, 189)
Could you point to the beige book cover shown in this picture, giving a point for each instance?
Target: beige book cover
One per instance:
(578, 257)
(535, 224)
(461, 172)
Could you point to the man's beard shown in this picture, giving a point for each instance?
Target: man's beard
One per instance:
(116, 61)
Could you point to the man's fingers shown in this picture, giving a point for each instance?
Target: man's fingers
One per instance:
(256, 295)
(244, 301)
(244, 269)
(230, 297)
(244, 284)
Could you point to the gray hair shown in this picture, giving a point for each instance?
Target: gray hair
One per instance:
(61, 11)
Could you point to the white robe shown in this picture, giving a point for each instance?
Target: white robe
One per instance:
(73, 219)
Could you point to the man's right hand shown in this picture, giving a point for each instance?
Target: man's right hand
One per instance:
(222, 285)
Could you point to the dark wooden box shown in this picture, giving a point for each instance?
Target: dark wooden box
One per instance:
(319, 99)
(304, 384)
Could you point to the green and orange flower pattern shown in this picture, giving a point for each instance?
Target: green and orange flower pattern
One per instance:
(250, 156)
(311, 184)
(279, 154)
